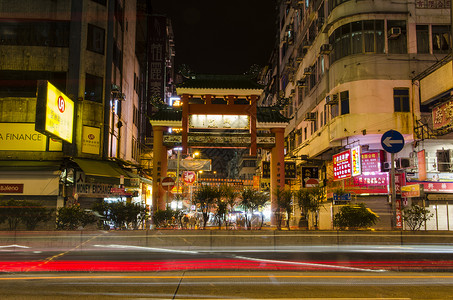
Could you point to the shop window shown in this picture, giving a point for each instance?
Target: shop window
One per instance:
(344, 99)
(401, 100)
(422, 39)
(95, 39)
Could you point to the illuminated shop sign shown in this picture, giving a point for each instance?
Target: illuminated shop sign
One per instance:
(21, 137)
(356, 162)
(371, 161)
(219, 121)
(443, 115)
(342, 165)
(54, 112)
(91, 140)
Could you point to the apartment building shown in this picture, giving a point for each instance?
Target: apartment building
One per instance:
(345, 69)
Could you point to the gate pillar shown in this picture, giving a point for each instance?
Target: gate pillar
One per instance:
(159, 167)
(277, 168)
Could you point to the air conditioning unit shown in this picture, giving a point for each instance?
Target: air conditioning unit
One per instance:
(332, 99)
(403, 163)
(386, 165)
(302, 83)
(307, 71)
(310, 116)
(394, 32)
(325, 49)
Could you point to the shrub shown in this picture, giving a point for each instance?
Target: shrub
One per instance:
(416, 216)
(72, 217)
(355, 217)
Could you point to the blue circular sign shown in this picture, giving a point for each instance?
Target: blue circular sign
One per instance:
(392, 141)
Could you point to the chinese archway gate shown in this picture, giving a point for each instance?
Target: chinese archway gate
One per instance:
(218, 112)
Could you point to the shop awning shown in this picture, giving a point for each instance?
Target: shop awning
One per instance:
(100, 168)
(30, 165)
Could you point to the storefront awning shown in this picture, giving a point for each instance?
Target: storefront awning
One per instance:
(100, 168)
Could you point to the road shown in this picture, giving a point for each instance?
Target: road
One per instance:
(120, 270)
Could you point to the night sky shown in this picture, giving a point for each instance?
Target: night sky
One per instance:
(221, 37)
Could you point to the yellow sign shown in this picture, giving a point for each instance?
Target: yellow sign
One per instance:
(21, 137)
(91, 140)
(413, 190)
(55, 145)
(59, 114)
(219, 121)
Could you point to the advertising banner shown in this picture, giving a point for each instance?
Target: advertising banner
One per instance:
(372, 161)
(356, 162)
(91, 140)
(342, 165)
(421, 165)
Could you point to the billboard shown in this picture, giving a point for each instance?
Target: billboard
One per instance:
(342, 165)
(54, 112)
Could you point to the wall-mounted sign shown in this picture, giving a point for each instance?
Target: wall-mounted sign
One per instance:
(372, 161)
(54, 112)
(219, 121)
(11, 188)
(21, 137)
(412, 190)
(421, 165)
(442, 115)
(219, 140)
(356, 162)
(310, 176)
(91, 139)
(342, 165)
(290, 170)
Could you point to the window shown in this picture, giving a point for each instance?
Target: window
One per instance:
(34, 33)
(93, 88)
(401, 99)
(95, 39)
(443, 160)
(24, 83)
(441, 38)
(102, 2)
(357, 37)
(344, 99)
(397, 43)
(422, 38)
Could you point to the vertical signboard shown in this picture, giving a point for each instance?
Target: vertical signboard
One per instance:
(421, 165)
(290, 170)
(356, 162)
(91, 140)
(372, 161)
(54, 112)
(310, 176)
(342, 165)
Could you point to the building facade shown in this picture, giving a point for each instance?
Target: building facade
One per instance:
(95, 54)
(346, 69)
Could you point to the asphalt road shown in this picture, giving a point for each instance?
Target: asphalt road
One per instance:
(293, 272)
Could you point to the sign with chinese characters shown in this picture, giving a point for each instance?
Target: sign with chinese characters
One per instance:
(371, 161)
(91, 140)
(189, 177)
(219, 140)
(290, 170)
(219, 121)
(342, 165)
(399, 217)
(356, 162)
(412, 190)
(443, 115)
(421, 165)
(54, 113)
(310, 176)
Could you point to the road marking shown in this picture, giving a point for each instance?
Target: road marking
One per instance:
(432, 276)
(147, 248)
(14, 246)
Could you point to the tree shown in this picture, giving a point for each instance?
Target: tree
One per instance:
(231, 196)
(355, 217)
(205, 198)
(162, 218)
(221, 211)
(317, 194)
(10, 211)
(415, 216)
(304, 201)
(284, 204)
